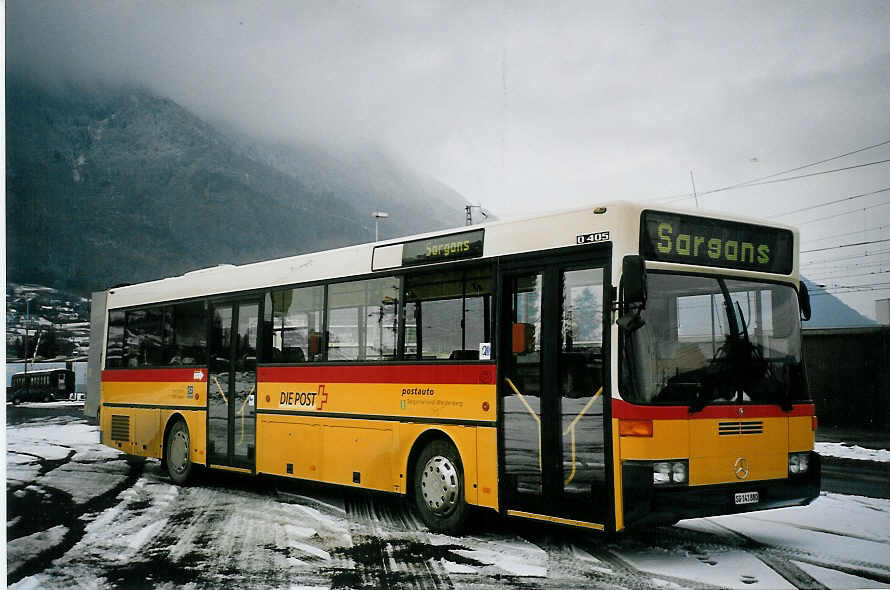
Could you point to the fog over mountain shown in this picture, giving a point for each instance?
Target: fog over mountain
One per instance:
(776, 111)
(118, 185)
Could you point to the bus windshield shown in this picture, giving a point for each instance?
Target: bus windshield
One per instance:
(712, 340)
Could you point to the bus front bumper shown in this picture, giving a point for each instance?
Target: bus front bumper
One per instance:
(646, 504)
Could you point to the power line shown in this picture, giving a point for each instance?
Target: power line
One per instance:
(749, 184)
(824, 293)
(860, 285)
(752, 181)
(836, 215)
(849, 233)
(810, 165)
(850, 198)
(861, 274)
(847, 266)
(831, 260)
(845, 246)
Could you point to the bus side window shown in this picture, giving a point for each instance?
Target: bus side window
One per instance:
(188, 345)
(116, 353)
(447, 314)
(362, 319)
(296, 324)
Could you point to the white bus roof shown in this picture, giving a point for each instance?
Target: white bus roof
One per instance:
(509, 236)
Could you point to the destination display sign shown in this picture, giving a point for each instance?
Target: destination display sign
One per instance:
(687, 239)
(466, 244)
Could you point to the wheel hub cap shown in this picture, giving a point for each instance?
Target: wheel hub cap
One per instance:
(179, 451)
(440, 485)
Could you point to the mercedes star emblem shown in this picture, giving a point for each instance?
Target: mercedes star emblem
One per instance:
(741, 468)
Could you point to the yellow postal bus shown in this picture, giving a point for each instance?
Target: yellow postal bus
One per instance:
(601, 368)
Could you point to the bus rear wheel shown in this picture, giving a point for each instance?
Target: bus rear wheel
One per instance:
(439, 488)
(177, 453)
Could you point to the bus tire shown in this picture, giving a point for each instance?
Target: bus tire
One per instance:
(177, 454)
(439, 488)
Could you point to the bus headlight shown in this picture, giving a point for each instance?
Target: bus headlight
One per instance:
(798, 463)
(670, 472)
(661, 473)
(679, 472)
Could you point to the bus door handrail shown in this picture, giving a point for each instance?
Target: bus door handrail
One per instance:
(219, 387)
(534, 415)
(571, 428)
(241, 411)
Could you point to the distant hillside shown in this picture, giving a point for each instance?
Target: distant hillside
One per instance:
(369, 180)
(831, 312)
(123, 186)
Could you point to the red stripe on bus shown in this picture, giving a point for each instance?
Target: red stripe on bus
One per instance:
(624, 410)
(442, 374)
(143, 375)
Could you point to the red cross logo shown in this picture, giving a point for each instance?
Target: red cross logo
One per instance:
(322, 397)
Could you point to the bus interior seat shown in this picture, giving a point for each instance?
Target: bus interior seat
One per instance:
(464, 355)
(581, 373)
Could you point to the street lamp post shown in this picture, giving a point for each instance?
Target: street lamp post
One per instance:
(378, 215)
(28, 299)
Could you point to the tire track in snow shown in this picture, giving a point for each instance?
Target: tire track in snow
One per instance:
(66, 512)
(621, 574)
(390, 548)
(779, 558)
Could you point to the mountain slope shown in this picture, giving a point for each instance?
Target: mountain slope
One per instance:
(831, 312)
(124, 186)
(369, 180)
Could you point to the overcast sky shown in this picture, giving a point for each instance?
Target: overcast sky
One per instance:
(527, 107)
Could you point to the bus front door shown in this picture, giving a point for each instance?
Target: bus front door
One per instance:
(231, 387)
(552, 388)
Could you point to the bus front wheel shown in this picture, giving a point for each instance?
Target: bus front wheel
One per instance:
(439, 488)
(177, 455)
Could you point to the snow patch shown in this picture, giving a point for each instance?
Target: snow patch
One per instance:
(849, 451)
(29, 583)
(310, 549)
(47, 451)
(516, 557)
(726, 569)
(20, 550)
(85, 482)
(457, 568)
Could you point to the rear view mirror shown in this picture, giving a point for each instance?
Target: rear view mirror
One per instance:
(633, 281)
(803, 299)
(632, 293)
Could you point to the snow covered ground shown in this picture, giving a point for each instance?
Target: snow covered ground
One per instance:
(80, 515)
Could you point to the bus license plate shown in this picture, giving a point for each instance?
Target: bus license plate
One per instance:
(747, 498)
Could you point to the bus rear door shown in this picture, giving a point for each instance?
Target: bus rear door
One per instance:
(231, 385)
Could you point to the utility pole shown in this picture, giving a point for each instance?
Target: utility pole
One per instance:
(28, 298)
(469, 209)
(694, 192)
(378, 215)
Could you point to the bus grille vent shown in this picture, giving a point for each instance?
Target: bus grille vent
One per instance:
(120, 428)
(734, 428)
